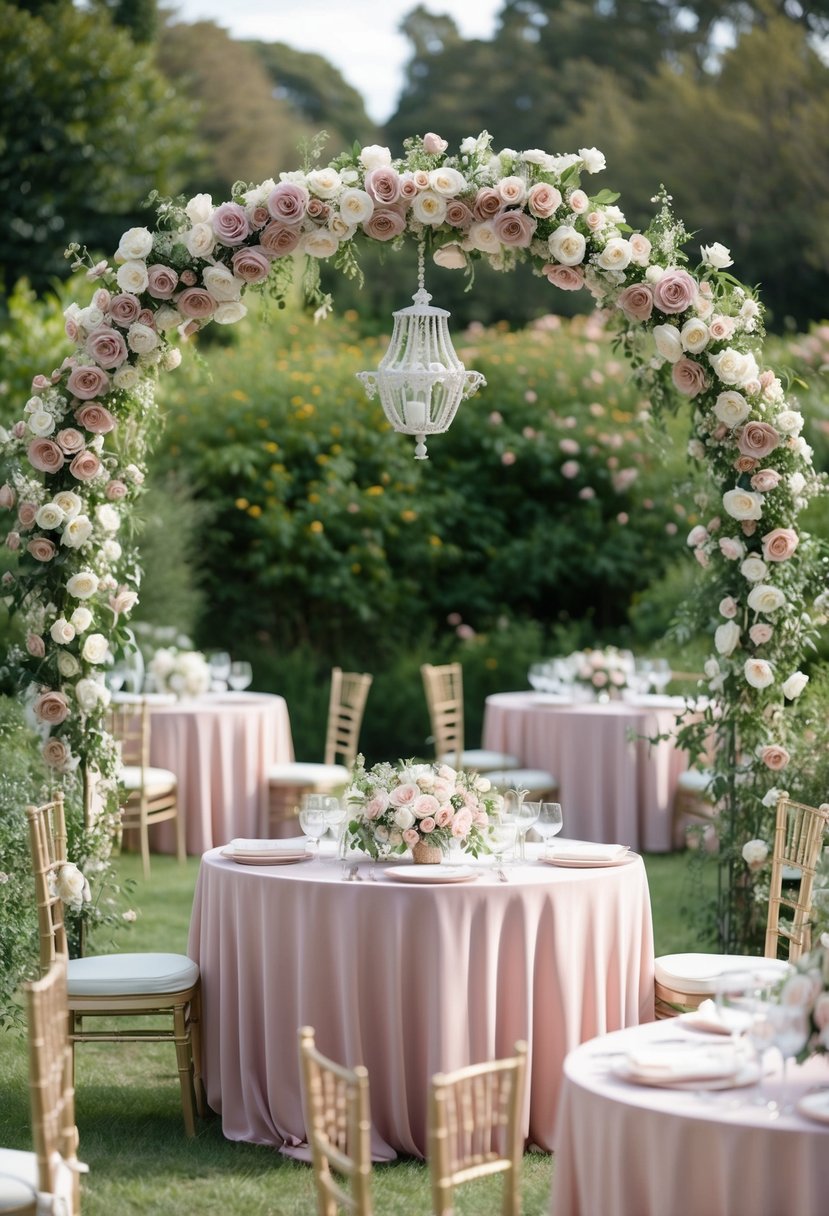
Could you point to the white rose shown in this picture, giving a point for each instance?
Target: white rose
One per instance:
(484, 237)
(758, 673)
(172, 359)
(90, 693)
(83, 585)
(69, 503)
(132, 277)
(797, 483)
(81, 618)
(788, 422)
(342, 230)
(68, 665)
(567, 245)
(727, 638)
(319, 243)
(716, 256)
(771, 797)
(592, 159)
(447, 181)
(200, 209)
(135, 243)
(616, 254)
(221, 283)
(374, 156)
(167, 317)
(696, 449)
(325, 183)
(794, 685)
(668, 342)
(731, 408)
(765, 598)
(62, 631)
(734, 367)
(229, 312)
(429, 207)
(356, 206)
(162, 662)
(200, 240)
(111, 550)
(95, 648)
(41, 423)
(141, 338)
(49, 516)
(404, 818)
(743, 504)
(77, 532)
(127, 378)
(755, 853)
(90, 317)
(451, 257)
(694, 334)
(108, 517)
(754, 569)
(71, 887)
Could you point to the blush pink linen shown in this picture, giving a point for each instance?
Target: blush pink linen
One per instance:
(554, 956)
(631, 1150)
(613, 787)
(219, 747)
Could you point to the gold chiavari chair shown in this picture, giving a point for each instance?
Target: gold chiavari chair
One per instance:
(115, 986)
(683, 981)
(338, 1126)
(475, 1130)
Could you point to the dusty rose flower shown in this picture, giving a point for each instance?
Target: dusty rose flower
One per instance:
(45, 456)
(26, 515)
(721, 328)
(728, 607)
(433, 145)
(774, 757)
(13, 541)
(51, 707)
(40, 382)
(636, 301)
(570, 469)
(85, 466)
(95, 418)
(488, 202)
(760, 634)
(115, 490)
(35, 646)
(458, 214)
(56, 754)
(279, 239)
(385, 224)
(259, 217)
(514, 228)
(746, 464)
(765, 479)
(195, 303)
(674, 292)
(411, 837)
(19, 429)
(162, 281)
(69, 440)
(383, 184)
(749, 527)
(124, 309)
(543, 200)
(106, 346)
(88, 382)
(408, 189)
(567, 278)
(252, 265)
(230, 223)
(288, 202)
(7, 496)
(757, 439)
(779, 544)
(688, 377)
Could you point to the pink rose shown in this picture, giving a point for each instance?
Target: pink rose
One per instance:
(543, 200)
(230, 223)
(195, 303)
(124, 309)
(163, 281)
(7, 496)
(123, 600)
(189, 278)
(774, 757)
(514, 228)
(745, 464)
(731, 548)
(26, 514)
(461, 823)
(375, 806)
(458, 214)
(566, 278)
(51, 707)
(721, 328)
(426, 805)
(760, 634)
(115, 490)
(570, 469)
(433, 145)
(411, 837)
(13, 541)
(779, 544)
(757, 439)
(40, 382)
(288, 202)
(383, 184)
(252, 265)
(45, 456)
(749, 526)
(408, 189)
(444, 817)
(385, 224)
(85, 466)
(636, 301)
(279, 240)
(259, 217)
(765, 479)
(88, 382)
(688, 377)
(488, 203)
(728, 607)
(95, 418)
(19, 429)
(674, 292)
(56, 753)
(106, 346)
(405, 794)
(69, 440)
(427, 825)
(35, 646)
(41, 549)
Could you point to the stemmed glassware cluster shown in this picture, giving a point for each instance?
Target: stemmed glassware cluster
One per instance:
(319, 814)
(516, 818)
(228, 673)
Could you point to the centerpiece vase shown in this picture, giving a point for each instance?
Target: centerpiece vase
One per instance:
(424, 854)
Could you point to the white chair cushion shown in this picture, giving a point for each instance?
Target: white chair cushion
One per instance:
(479, 759)
(532, 779)
(693, 779)
(698, 973)
(130, 974)
(299, 773)
(156, 780)
(19, 1181)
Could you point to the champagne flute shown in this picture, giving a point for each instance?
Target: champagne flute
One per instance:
(549, 822)
(240, 675)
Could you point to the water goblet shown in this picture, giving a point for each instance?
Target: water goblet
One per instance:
(240, 675)
(219, 664)
(335, 816)
(500, 838)
(312, 820)
(549, 822)
(660, 674)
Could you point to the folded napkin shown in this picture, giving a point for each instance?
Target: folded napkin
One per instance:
(578, 850)
(716, 1021)
(666, 1064)
(293, 845)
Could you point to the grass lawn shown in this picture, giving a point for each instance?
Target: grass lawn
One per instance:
(128, 1099)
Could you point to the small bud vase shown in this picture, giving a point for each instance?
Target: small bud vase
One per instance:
(424, 854)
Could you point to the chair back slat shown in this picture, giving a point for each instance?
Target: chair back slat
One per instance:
(47, 843)
(799, 835)
(346, 705)
(128, 721)
(443, 686)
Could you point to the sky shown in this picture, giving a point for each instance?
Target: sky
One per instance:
(359, 36)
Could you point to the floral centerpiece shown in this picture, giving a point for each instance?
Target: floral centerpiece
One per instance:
(182, 672)
(409, 805)
(601, 670)
(808, 990)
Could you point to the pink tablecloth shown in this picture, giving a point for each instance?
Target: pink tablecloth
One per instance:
(629, 1150)
(408, 980)
(219, 746)
(615, 786)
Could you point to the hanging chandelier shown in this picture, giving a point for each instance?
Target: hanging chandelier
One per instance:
(420, 379)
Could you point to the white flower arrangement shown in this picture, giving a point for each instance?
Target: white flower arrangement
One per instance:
(185, 673)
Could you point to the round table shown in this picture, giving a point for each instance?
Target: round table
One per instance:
(615, 786)
(408, 980)
(635, 1150)
(219, 746)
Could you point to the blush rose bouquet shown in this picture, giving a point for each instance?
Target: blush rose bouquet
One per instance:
(398, 806)
(603, 671)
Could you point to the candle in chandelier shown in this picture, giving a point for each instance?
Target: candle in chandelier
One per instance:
(417, 415)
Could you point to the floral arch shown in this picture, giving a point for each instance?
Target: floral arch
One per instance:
(75, 459)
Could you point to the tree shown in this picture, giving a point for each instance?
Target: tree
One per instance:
(87, 128)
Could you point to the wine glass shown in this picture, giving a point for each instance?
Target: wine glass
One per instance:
(335, 816)
(641, 679)
(512, 801)
(240, 675)
(549, 822)
(791, 1033)
(500, 838)
(526, 816)
(219, 664)
(660, 674)
(745, 1003)
(312, 820)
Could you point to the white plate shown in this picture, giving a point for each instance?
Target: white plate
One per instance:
(265, 859)
(436, 873)
(589, 863)
(815, 1106)
(747, 1074)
